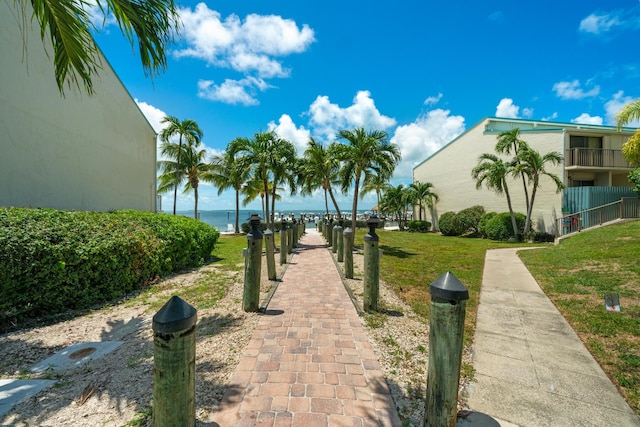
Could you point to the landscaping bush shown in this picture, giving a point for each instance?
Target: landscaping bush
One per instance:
(419, 226)
(450, 224)
(469, 220)
(53, 261)
(482, 224)
(499, 227)
(540, 237)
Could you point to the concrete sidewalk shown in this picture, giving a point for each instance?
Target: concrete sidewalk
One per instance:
(309, 362)
(531, 367)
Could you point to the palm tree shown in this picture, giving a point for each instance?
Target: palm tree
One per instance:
(631, 148)
(196, 169)
(284, 169)
(424, 195)
(509, 142)
(257, 154)
(375, 182)
(366, 153)
(531, 163)
(187, 131)
(493, 171)
(227, 172)
(67, 25)
(319, 169)
(395, 202)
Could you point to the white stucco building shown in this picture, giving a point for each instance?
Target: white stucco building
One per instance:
(77, 152)
(594, 170)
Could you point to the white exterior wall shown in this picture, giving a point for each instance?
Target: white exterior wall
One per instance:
(449, 170)
(77, 152)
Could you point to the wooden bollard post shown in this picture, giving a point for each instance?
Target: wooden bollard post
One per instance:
(348, 253)
(271, 259)
(319, 224)
(330, 232)
(294, 229)
(283, 242)
(334, 239)
(253, 266)
(446, 332)
(174, 364)
(371, 266)
(289, 238)
(339, 243)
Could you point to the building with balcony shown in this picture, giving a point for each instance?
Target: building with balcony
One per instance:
(77, 152)
(594, 170)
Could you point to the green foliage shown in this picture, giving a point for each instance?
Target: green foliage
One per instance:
(470, 219)
(634, 178)
(499, 227)
(482, 224)
(450, 224)
(53, 261)
(419, 226)
(540, 237)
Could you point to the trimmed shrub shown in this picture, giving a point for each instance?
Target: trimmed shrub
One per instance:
(499, 227)
(419, 226)
(469, 219)
(54, 261)
(540, 237)
(450, 224)
(482, 224)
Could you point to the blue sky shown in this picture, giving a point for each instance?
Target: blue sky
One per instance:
(422, 71)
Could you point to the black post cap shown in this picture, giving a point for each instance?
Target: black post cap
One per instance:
(254, 220)
(176, 315)
(448, 287)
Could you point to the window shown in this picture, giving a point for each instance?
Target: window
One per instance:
(581, 141)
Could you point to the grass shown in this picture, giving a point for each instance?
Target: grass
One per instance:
(411, 261)
(576, 274)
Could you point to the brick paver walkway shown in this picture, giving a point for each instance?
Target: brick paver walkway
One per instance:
(309, 362)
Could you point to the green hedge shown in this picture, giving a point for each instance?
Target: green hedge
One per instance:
(53, 261)
(419, 226)
(500, 228)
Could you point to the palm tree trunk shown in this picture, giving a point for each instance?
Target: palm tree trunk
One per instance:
(527, 223)
(237, 211)
(354, 208)
(175, 187)
(513, 217)
(335, 204)
(195, 209)
(266, 201)
(326, 203)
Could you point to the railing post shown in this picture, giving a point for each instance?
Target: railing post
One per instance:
(371, 266)
(289, 238)
(348, 252)
(271, 259)
(253, 266)
(283, 241)
(174, 364)
(334, 239)
(330, 232)
(294, 228)
(446, 332)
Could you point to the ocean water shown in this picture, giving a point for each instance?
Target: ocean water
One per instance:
(221, 218)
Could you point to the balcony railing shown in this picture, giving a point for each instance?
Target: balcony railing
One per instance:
(627, 207)
(595, 157)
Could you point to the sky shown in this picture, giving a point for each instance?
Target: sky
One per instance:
(423, 71)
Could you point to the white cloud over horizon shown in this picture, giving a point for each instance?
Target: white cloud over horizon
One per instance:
(587, 119)
(327, 118)
(507, 109)
(599, 23)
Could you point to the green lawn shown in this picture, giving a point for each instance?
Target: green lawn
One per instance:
(576, 274)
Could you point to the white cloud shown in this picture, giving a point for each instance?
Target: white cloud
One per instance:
(423, 137)
(250, 46)
(551, 117)
(233, 91)
(154, 115)
(597, 24)
(527, 113)
(433, 100)
(286, 129)
(506, 108)
(496, 16)
(572, 90)
(587, 119)
(613, 106)
(327, 118)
